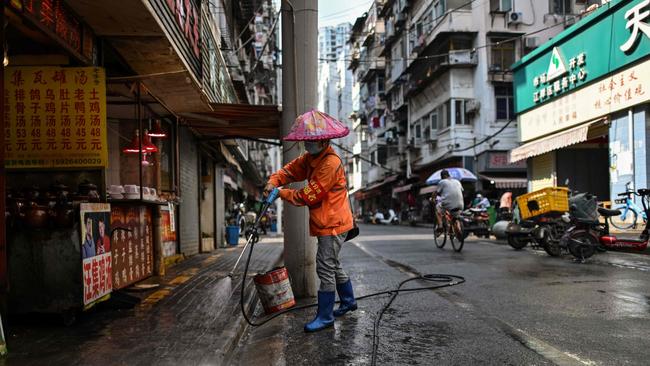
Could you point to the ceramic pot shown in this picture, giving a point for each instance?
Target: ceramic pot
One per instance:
(36, 216)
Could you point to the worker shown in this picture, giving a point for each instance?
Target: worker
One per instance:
(330, 215)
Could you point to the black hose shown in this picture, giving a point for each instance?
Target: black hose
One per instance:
(444, 280)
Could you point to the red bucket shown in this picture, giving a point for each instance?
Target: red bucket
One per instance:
(274, 290)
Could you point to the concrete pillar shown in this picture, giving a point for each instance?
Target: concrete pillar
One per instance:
(299, 94)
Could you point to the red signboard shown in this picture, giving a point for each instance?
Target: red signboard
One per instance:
(186, 15)
(55, 16)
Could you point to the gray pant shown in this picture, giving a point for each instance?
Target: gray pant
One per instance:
(328, 266)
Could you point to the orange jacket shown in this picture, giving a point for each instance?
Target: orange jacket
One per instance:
(325, 193)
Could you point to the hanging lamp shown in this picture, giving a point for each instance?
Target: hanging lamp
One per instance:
(157, 131)
(147, 145)
(134, 147)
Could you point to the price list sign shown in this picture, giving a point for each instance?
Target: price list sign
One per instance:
(55, 117)
(132, 250)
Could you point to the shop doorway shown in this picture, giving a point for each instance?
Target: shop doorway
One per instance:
(208, 204)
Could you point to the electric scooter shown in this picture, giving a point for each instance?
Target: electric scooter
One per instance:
(585, 237)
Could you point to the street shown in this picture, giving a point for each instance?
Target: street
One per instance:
(516, 308)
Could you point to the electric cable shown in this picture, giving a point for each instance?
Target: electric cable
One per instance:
(443, 280)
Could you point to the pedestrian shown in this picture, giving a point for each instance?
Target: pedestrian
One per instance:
(330, 215)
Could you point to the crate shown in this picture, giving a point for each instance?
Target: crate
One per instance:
(553, 199)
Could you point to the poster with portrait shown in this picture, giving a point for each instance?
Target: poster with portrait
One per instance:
(96, 251)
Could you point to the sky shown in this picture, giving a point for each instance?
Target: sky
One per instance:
(333, 12)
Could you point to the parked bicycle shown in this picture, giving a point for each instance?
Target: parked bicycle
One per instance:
(452, 227)
(629, 208)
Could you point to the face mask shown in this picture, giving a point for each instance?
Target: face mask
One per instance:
(313, 147)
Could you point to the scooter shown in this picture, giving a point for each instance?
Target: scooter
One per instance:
(585, 237)
(476, 221)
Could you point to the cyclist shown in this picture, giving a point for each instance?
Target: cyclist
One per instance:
(449, 197)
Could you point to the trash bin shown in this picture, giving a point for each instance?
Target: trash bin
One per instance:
(274, 227)
(232, 235)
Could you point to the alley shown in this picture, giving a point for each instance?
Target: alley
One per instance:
(516, 308)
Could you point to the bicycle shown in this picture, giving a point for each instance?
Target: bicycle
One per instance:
(452, 227)
(630, 206)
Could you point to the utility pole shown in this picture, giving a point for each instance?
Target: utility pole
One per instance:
(299, 94)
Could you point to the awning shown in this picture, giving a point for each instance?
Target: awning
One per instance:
(229, 158)
(229, 182)
(557, 141)
(236, 121)
(386, 180)
(428, 190)
(402, 188)
(506, 182)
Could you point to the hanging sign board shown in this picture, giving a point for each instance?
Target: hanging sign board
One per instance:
(55, 117)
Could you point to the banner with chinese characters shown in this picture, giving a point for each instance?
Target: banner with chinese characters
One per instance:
(132, 249)
(96, 251)
(55, 117)
(617, 92)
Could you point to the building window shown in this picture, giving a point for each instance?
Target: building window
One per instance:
(460, 113)
(380, 84)
(560, 7)
(426, 133)
(500, 6)
(417, 130)
(433, 120)
(447, 113)
(503, 54)
(505, 105)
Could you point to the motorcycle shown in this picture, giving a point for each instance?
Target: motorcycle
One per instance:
(475, 221)
(589, 235)
(543, 230)
(412, 216)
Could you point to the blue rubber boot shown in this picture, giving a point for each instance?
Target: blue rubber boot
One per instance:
(324, 317)
(348, 303)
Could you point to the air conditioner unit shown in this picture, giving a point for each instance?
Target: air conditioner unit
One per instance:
(515, 17)
(531, 42)
(472, 105)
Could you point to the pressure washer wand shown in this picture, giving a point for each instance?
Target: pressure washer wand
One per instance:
(265, 206)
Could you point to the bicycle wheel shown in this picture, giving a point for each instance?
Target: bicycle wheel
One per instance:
(623, 222)
(460, 239)
(440, 238)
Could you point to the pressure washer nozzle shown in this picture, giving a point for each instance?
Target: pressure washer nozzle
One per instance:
(273, 195)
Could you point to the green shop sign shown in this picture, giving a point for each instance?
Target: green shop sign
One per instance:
(614, 36)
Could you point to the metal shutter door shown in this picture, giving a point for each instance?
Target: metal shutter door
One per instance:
(189, 209)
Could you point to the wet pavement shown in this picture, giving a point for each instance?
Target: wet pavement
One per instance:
(516, 308)
(191, 319)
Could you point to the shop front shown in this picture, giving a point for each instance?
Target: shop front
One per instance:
(583, 101)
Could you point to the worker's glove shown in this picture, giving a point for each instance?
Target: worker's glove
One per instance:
(272, 196)
(268, 188)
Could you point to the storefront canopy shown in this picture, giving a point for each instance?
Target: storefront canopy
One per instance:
(553, 142)
(402, 188)
(236, 120)
(506, 182)
(428, 190)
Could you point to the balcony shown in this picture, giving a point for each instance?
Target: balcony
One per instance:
(460, 58)
(459, 21)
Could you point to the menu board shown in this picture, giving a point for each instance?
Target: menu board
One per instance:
(55, 117)
(132, 248)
